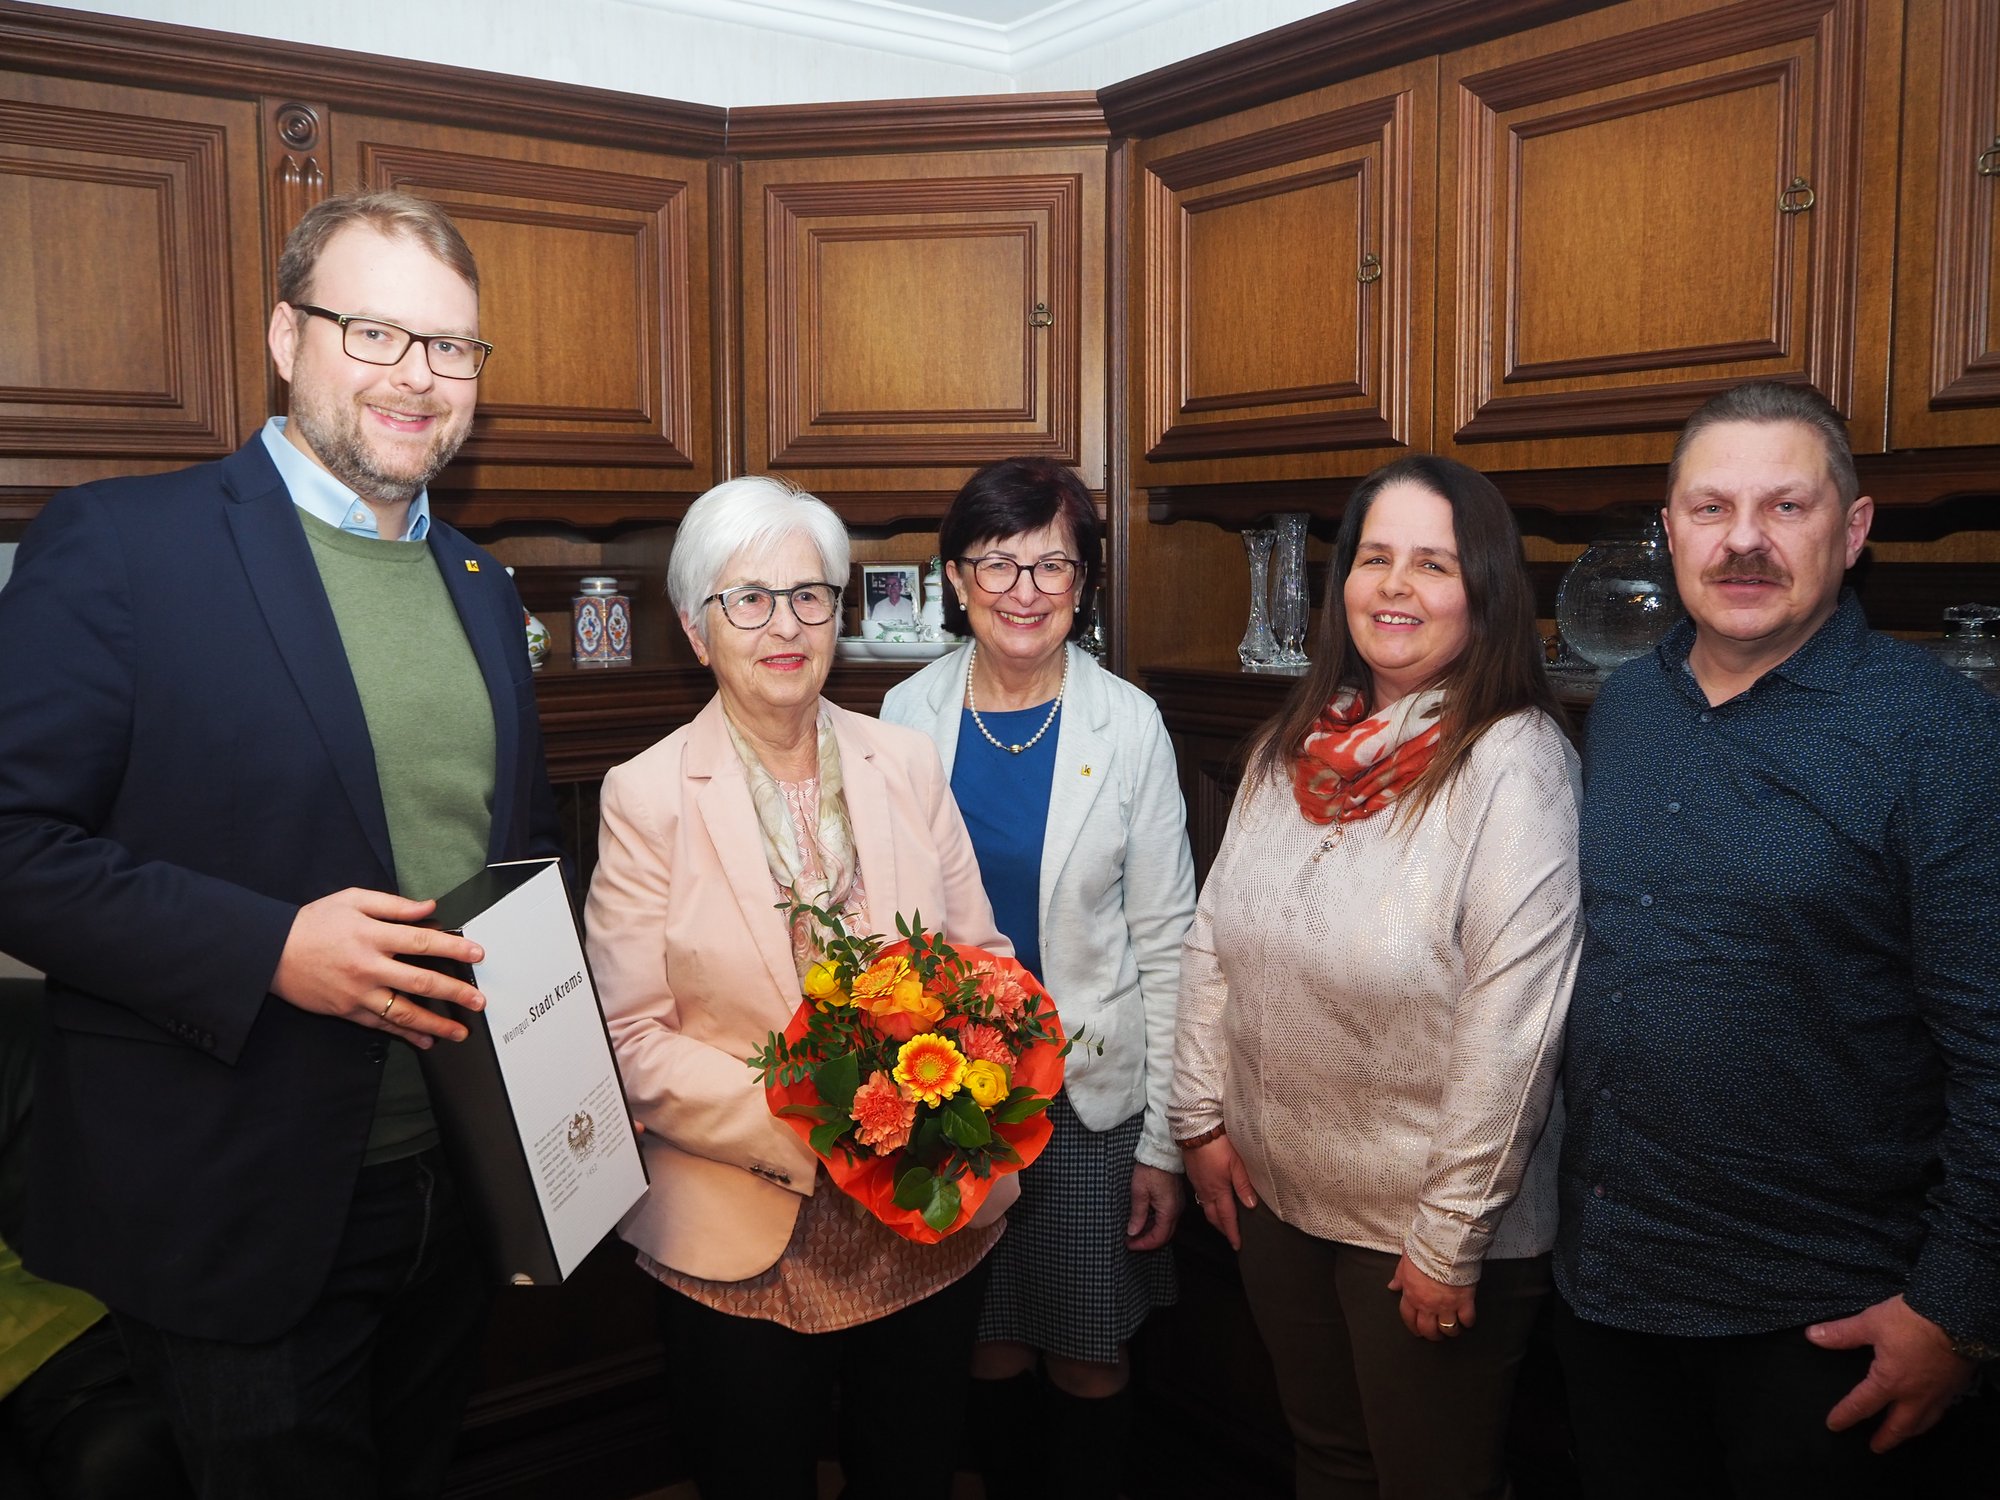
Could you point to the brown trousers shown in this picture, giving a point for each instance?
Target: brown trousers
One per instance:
(1377, 1413)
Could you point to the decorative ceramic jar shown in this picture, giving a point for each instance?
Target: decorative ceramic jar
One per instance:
(602, 625)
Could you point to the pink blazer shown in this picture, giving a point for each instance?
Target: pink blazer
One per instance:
(694, 968)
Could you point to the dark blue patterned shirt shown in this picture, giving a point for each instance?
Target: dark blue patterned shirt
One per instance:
(1783, 1066)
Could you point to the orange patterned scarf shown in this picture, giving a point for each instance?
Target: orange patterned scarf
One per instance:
(1353, 766)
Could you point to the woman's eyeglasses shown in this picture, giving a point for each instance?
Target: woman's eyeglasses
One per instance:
(1052, 575)
(751, 606)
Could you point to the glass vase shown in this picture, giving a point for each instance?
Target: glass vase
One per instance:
(1618, 598)
(1258, 648)
(1291, 610)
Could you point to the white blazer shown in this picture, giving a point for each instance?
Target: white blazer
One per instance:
(1117, 884)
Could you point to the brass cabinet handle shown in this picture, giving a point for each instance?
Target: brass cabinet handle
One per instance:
(1371, 269)
(1041, 317)
(1797, 198)
(1989, 159)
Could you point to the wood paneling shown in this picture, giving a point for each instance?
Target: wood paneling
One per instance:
(1284, 284)
(130, 325)
(895, 125)
(1946, 383)
(1616, 245)
(906, 319)
(593, 289)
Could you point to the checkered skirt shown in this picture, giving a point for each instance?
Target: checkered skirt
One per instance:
(1061, 1278)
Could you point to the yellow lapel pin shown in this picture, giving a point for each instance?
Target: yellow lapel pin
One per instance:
(1086, 770)
(471, 566)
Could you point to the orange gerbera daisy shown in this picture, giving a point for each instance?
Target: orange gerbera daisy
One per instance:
(929, 1068)
(882, 1116)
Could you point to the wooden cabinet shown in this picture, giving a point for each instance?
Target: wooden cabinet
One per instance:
(140, 227)
(907, 318)
(1282, 286)
(1652, 203)
(131, 324)
(1945, 387)
(594, 290)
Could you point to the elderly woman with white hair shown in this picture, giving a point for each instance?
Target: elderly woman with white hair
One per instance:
(775, 1286)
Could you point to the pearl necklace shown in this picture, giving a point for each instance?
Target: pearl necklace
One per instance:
(978, 723)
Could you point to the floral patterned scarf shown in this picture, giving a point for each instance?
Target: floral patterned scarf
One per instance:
(1353, 765)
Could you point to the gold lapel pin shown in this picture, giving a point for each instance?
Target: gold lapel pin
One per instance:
(1086, 770)
(471, 566)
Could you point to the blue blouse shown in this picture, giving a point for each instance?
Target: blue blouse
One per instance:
(1005, 801)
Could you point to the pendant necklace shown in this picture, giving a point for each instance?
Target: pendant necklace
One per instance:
(978, 723)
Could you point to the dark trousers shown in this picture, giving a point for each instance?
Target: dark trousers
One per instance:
(362, 1397)
(1374, 1410)
(82, 1429)
(1657, 1417)
(750, 1395)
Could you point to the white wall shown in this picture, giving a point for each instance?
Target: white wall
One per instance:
(602, 43)
(640, 48)
(1100, 60)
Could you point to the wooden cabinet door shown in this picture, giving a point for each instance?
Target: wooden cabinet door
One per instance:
(1282, 296)
(1945, 389)
(131, 295)
(909, 318)
(594, 290)
(1657, 201)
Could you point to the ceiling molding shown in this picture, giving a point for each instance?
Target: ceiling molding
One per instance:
(995, 36)
(1362, 37)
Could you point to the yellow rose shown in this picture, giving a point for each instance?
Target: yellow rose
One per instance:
(986, 1082)
(822, 985)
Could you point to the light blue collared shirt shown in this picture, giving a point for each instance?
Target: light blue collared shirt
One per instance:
(318, 493)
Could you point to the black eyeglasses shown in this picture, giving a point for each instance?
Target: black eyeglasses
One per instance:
(374, 342)
(751, 606)
(1052, 575)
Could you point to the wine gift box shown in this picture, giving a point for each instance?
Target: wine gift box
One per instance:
(530, 1104)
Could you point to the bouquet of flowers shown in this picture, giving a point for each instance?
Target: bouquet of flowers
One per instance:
(917, 1071)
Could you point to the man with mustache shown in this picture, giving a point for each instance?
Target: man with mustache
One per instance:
(1780, 1250)
(257, 714)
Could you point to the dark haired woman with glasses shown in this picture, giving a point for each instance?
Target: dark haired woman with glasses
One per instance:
(1068, 784)
(1373, 994)
(774, 1285)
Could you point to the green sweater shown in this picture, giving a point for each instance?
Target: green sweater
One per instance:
(431, 723)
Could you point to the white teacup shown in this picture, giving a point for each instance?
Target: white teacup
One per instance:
(871, 630)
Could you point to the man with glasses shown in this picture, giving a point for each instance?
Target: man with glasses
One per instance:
(260, 713)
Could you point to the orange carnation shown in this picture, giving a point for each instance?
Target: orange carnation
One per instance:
(882, 1116)
(983, 1043)
(1004, 988)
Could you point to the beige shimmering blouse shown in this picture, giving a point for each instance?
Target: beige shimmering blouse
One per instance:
(1376, 1013)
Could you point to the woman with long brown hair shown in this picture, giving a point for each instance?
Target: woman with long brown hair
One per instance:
(1372, 998)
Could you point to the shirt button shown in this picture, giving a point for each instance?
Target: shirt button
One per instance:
(1598, 1191)
(1706, 716)
(1673, 807)
(1617, 994)
(1604, 1093)
(1645, 900)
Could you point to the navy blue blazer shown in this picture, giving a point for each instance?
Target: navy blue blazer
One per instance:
(183, 763)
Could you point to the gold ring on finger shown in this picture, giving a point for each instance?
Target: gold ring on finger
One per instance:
(390, 1004)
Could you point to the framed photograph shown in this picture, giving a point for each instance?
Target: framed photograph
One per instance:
(889, 595)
